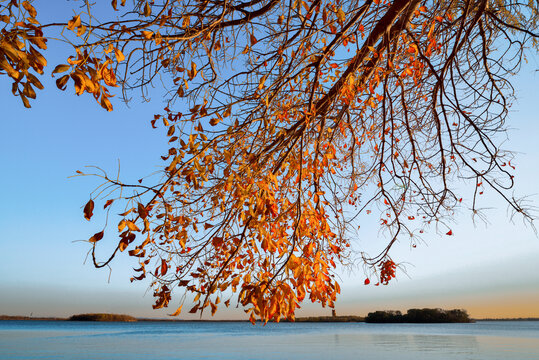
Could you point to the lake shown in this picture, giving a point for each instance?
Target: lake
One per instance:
(241, 340)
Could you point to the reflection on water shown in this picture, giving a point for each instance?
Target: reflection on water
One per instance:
(155, 340)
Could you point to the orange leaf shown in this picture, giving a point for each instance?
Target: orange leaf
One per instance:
(131, 225)
(121, 225)
(97, 236)
(108, 203)
(61, 68)
(177, 312)
(119, 55)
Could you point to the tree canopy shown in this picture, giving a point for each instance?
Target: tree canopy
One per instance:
(286, 121)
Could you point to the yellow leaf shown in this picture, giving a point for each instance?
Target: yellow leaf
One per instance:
(131, 225)
(147, 34)
(186, 21)
(81, 30)
(261, 82)
(177, 312)
(341, 16)
(121, 225)
(119, 55)
(73, 23)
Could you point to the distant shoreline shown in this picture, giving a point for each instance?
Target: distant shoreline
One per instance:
(326, 319)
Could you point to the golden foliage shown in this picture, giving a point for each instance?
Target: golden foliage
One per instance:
(284, 137)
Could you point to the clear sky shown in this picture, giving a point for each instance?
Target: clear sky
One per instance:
(491, 270)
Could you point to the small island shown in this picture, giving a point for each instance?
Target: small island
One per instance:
(419, 316)
(102, 317)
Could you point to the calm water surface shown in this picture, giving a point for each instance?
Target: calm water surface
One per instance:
(240, 340)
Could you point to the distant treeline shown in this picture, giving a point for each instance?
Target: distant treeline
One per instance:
(419, 316)
(101, 317)
(510, 319)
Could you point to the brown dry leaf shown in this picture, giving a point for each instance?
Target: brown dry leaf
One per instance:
(147, 9)
(108, 203)
(96, 237)
(142, 211)
(89, 210)
(61, 83)
(61, 68)
(164, 267)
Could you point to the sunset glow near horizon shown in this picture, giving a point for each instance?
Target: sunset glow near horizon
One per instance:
(489, 269)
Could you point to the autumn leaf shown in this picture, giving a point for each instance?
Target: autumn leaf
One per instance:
(31, 10)
(61, 68)
(131, 225)
(96, 237)
(147, 34)
(119, 55)
(147, 9)
(164, 267)
(89, 210)
(142, 211)
(61, 83)
(74, 23)
(177, 312)
(121, 225)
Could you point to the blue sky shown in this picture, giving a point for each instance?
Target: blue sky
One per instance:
(490, 270)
